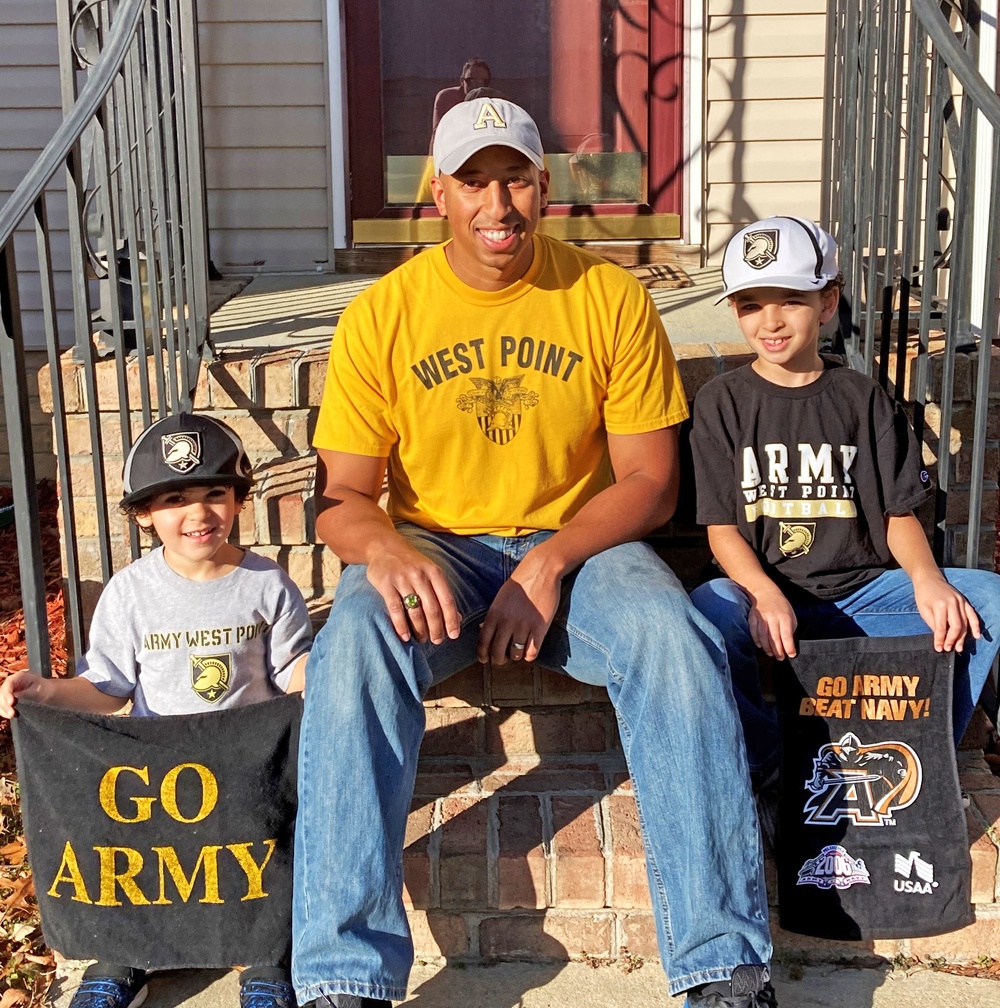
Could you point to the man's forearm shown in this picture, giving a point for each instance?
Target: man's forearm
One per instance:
(353, 525)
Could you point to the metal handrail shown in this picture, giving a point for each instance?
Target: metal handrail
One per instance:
(958, 61)
(914, 199)
(54, 154)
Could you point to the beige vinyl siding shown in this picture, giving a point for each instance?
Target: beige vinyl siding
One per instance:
(30, 113)
(266, 129)
(764, 112)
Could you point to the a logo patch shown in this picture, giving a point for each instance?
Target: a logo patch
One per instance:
(865, 784)
(498, 404)
(833, 868)
(211, 675)
(760, 248)
(795, 539)
(917, 874)
(181, 451)
(489, 116)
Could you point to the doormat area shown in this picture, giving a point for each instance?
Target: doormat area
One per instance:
(660, 275)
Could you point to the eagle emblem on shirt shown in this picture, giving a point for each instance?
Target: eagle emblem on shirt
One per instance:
(211, 675)
(498, 404)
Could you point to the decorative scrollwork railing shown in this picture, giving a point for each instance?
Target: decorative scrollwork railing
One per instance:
(127, 160)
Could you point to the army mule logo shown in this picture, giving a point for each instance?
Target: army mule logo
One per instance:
(795, 539)
(864, 784)
(498, 404)
(760, 248)
(211, 675)
(181, 451)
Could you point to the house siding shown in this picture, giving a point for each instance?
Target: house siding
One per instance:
(764, 112)
(266, 127)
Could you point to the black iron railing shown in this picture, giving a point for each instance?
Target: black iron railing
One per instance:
(911, 176)
(129, 155)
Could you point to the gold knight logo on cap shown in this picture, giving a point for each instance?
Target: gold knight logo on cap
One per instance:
(181, 451)
(760, 248)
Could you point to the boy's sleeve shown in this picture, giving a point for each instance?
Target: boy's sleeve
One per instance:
(110, 662)
(712, 460)
(904, 481)
(291, 633)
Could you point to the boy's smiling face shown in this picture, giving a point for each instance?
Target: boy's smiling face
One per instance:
(193, 523)
(782, 328)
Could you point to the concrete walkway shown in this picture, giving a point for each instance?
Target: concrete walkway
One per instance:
(577, 985)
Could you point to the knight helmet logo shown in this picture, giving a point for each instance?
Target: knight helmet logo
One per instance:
(864, 784)
(498, 404)
(833, 868)
(181, 451)
(211, 675)
(760, 248)
(796, 538)
(489, 116)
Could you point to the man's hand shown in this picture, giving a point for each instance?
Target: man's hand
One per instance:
(772, 624)
(399, 571)
(15, 686)
(521, 614)
(946, 611)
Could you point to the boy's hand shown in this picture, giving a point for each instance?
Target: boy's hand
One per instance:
(946, 611)
(16, 685)
(772, 624)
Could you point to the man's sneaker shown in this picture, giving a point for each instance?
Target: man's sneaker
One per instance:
(748, 987)
(266, 987)
(108, 986)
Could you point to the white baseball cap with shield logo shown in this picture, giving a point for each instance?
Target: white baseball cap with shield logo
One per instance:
(790, 252)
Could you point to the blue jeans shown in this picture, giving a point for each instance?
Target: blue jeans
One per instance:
(624, 622)
(884, 607)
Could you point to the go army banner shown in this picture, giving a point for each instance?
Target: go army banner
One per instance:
(872, 841)
(162, 842)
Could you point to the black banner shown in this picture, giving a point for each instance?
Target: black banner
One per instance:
(162, 842)
(872, 841)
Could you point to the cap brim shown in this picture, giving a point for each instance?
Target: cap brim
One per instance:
(239, 483)
(454, 160)
(797, 283)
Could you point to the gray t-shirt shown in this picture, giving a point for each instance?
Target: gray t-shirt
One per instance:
(178, 646)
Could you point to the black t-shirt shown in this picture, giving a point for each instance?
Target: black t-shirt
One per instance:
(807, 474)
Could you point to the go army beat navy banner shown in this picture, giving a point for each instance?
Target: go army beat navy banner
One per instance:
(162, 842)
(872, 841)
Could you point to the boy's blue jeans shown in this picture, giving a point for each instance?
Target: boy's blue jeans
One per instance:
(625, 622)
(884, 607)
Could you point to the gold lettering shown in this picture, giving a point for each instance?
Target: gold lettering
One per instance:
(912, 682)
(807, 707)
(126, 878)
(73, 875)
(868, 709)
(489, 114)
(207, 857)
(106, 794)
(253, 871)
(209, 791)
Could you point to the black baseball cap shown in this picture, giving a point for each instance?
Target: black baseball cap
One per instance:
(185, 449)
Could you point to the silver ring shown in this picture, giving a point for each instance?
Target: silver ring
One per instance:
(411, 601)
(520, 647)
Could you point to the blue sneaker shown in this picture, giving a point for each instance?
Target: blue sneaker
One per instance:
(108, 986)
(266, 987)
(748, 987)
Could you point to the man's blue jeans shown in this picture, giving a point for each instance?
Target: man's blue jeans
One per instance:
(625, 622)
(884, 607)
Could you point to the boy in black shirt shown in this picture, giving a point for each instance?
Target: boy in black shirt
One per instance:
(807, 477)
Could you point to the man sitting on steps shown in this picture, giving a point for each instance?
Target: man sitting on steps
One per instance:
(524, 398)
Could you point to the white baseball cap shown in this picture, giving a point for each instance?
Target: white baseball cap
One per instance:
(485, 122)
(790, 252)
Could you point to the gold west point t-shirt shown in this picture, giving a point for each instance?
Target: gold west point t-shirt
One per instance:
(492, 407)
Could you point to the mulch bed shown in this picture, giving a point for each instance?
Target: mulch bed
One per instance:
(26, 965)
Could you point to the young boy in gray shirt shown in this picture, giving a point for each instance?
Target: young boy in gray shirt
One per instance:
(195, 625)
